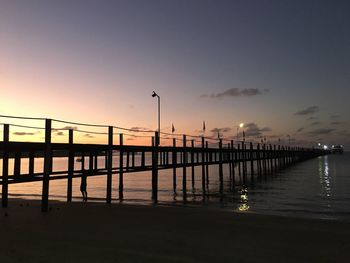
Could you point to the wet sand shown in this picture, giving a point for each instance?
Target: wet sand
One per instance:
(96, 232)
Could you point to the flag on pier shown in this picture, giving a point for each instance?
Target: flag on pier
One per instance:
(203, 126)
(172, 128)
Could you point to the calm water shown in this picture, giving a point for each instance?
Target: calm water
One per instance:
(318, 188)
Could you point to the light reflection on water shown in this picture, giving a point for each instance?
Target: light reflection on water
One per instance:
(243, 205)
(325, 177)
(318, 188)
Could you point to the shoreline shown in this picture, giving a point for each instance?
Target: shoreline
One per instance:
(214, 206)
(97, 232)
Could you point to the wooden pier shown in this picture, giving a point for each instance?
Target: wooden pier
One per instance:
(249, 158)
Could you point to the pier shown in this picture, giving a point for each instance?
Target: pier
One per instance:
(250, 159)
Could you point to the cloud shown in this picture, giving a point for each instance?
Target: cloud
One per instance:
(266, 129)
(312, 118)
(220, 131)
(274, 136)
(70, 128)
(250, 129)
(320, 132)
(344, 133)
(235, 92)
(216, 130)
(337, 122)
(300, 129)
(309, 110)
(140, 129)
(315, 123)
(66, 128)
(253, 130)
(23, 133)
(333, 116)
(59, 131)
(166, 136)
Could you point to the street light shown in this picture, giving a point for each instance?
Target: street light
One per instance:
(241, 125)
(156, 95)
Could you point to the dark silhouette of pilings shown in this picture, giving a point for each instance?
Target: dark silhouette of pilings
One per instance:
(192, 162)
(184, 169)
(221, 173)
(70, 166)
(251, 156)
(229, 161)
(259, 153)
(121, 167)
(47, 167)
(203, 160)
(207, 161)
(174, 163)
(239, 160)
(109, 168)
(232, 163)
(155, 168)
(5, 166)
(243, 161)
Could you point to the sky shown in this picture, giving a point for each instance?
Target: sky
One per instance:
(280, 67)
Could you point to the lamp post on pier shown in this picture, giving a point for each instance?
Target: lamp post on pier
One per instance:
(241, 125)
(154, 94)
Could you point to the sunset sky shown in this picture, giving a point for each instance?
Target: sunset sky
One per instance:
(281, 67)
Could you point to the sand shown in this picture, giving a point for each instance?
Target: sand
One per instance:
(96, 232)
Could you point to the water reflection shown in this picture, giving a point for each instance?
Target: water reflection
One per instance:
(325, 178)
(243, 205)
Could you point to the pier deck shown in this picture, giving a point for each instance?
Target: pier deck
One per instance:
(258, 159)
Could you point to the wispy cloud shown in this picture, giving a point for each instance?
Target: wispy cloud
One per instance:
(88, 135)
(309, 110)
(60, 131)
(315, 123)
(334, 116)
(235, 92)
(266, 129)
(273, 136)
(337, 123)
(312, 118)
(320, 132)
(66, 128)
(344, 133)
(23, 133)
(226, 129)
(140, 129)
(300, 129)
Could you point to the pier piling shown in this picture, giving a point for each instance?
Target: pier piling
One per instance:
(5, 166)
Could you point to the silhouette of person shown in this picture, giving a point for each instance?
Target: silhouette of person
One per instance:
(83, 185)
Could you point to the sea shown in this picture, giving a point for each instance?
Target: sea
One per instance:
(316, 188)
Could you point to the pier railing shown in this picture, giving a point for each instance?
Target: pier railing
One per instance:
(259, 159)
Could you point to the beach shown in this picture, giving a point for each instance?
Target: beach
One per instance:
(97, 232)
